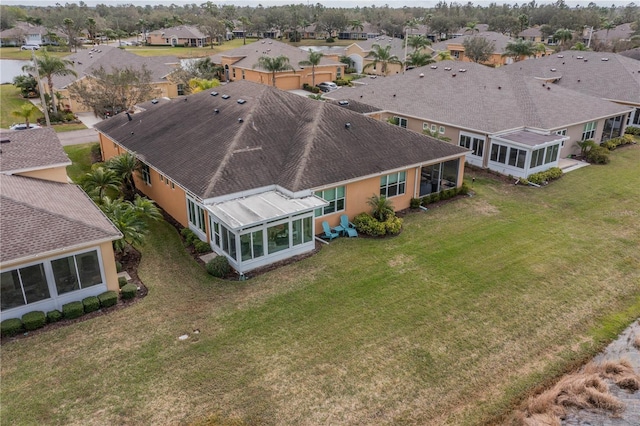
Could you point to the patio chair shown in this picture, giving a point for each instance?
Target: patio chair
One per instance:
(348, 228)
(328, 232)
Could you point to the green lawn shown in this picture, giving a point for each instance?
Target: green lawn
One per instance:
(454, 321)
(80, 155)
(186, 52)
(25, 55)
(11, 100)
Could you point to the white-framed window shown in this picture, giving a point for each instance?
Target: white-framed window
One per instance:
(196, 215)
(589, 131)
(455, 54)
(252, 244)
(537, 158)
(499, 153)
(475, 143)
(562, 132)
(234, 72)
(338, 72)
(243, 74)
(402, 122)
(145, 172)
(434, 128)
(336, 199)
(441, 130)
(161, 177)
(551, 154)
(173, 186)
(425, 126)
(180, 89)
(517, 157)
(393, 184)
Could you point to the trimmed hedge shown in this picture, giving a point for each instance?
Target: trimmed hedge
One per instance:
(122, 281)
(34, 320)
(72, 310)
(118, 267)
(201, 246)
(91, 304)
(632, 131)
(128, 291)
(10, 327)
(367, 224)
(219, 267)
(612, 144)
(189, 235)
(54, 316)
(108, 298)
(546, 176)
(598, 155)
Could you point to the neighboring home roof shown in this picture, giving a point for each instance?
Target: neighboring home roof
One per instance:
(621, 32)
(481, 98)
(32, 149)
(352, 105)
(465, 30)
(397, 45)
(154, 103)
(87, 60)
(250, 54)
(499, 40)
(181, 31)
(632, 53)
(617, 78)
(531, 32)
(23, 28)
(367, 28)
(283, 139)
(40, 216)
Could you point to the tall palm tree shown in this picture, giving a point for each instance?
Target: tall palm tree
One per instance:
(381, 55)
(26, 111)
(444, 55)
(313, 60)
(91, 28)
(48, 66)
(472, 27)
(100, 180)
(274, 65)
(519, 49)
(125, 165)
(563, 35)
(356, 24)
(608, 25)
(418, 42)
(420, 59)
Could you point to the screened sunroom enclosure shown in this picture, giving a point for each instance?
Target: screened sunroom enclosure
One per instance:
(261, 229)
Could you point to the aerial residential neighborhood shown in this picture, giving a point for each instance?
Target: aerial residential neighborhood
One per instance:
(317, 214)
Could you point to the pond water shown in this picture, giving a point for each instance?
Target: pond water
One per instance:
(10, 68)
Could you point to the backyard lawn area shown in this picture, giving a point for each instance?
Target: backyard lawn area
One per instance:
(474, 305)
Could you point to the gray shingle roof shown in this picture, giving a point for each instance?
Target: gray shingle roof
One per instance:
(499, 40)
(30, 150)
(87, 60)
(284, 139)
(40, 216)
(397, 45)
(531, 32)
(632, 53)
(621, 32)
(181, 31)
(617, 78)
(482, 98)
(267, 47)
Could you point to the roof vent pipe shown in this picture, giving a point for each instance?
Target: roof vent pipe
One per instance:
(128, 116)
(347, 125)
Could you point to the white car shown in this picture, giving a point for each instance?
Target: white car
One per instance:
(23, 126)
(29, 47)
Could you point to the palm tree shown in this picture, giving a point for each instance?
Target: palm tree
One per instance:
(563, 35)
(356, 24)
(579, 46)
(313, 60)
(381, 207)
(420, 59)
(520, 48)
(127, 219)
(444, 55)
(91, 28)
(125, 165)
(146, 209)
(245, 23)
(383, 56)
(608, 25)
(26, 111)
(418, 42)
(100, 180)
(472, 27)
(48, 66)
(68, 25)
(274, 65)
(200, 84)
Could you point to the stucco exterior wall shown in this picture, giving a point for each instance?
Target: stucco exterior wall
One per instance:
(287, 80)
(56, 174)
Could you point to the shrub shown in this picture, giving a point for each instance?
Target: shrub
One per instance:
(34, 320)
(367, 224)
(91, 304)
(464, 189)
(393, 225)
(118, 267)
(554, 173)
(330, 40)
(342, 82)
(546, 176)
(349, 70)
(54, 316)
(188, 235)
(108, 298)
(414, 203)
(632, 131)
(95, 151)
(315, 89)
(128, 291)
(219, 267)
(10, 327)
(72, 310)
(122, 281)
(610, 144)
(598, 155)
(201, 246)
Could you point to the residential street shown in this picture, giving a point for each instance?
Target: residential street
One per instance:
(77, 137)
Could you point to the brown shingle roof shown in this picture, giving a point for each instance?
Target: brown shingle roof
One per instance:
(397, 45)
(31, 149)
(481, 99)
(284, 139)
(40, 216)
(499, 40)
(617, 78)
(632, 53)
(181, 31)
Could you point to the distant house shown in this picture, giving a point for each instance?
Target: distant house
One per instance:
(462, 31)
(631, 53)
(26, 33)
(610, 37)
(534, 35)
(516, 125)
(258, 169)
(86, 61)
(602, 75)
(56, 243)
(456, 48)
(183, 35)
(359, 53)
(241, 64)
(366, 32)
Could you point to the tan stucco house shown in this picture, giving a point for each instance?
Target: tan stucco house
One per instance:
(258, 170)
(182, 35)
(359, 53)
(56, 243)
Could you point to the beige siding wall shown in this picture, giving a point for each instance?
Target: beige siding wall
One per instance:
(288, 80)
(56, 174)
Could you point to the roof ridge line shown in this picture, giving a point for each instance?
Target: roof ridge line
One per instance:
(308, 145)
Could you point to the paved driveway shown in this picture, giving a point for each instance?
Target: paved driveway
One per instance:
(77, 137)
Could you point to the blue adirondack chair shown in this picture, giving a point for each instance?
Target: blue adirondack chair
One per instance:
(348, 228)
(328, 233)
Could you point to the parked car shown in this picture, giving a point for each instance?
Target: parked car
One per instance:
(327, 86)
(29, 47)
(23, 126)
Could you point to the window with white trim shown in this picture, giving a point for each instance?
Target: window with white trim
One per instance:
(402, 122)
(551, 154)
(425, 126)
(196, 215)
(589, 131)
(537, 158)
(145, 172)
(336, 199)
(434, 128)
(76, 272)
(252, 245)
(498, 153)
(517, 157)
(393, 184)
(474, 143)
(441, 130)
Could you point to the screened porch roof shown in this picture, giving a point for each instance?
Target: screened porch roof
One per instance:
(267, 206)
(529, 138)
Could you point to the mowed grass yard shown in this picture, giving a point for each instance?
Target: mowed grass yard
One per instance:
(475, 304)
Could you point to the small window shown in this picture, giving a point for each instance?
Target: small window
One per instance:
(434, 127)
(146, 174)
(441, 130)
(243, 74)
(161, 178)
(234, 72)
(180, 89)
(173, 186)
(425, 126)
